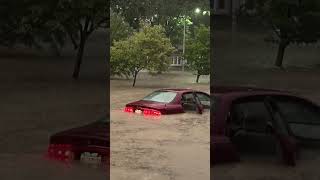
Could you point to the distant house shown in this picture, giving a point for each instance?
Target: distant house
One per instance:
(176, 62)
(177, 59)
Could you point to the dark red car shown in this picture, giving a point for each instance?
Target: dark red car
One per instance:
(170, 101)
(259, 120)
(89, 143)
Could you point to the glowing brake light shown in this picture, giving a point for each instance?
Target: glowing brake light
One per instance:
(128, 109)
(62, 152)
(151, 112)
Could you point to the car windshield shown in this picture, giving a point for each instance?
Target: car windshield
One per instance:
(161, 96)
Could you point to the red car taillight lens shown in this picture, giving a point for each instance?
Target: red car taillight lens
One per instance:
(128, 109)
(151, 112)
(61, 152)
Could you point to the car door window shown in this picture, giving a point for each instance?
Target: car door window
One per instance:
(204, 99)
(302, 117)
(253, 116)
(188, 98)
(189, 102)
(249, 127)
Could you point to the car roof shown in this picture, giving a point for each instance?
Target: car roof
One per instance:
(235, 92)
(244, 90)
(237, 89)
(177, 89)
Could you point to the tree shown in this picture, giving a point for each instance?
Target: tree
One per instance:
(166, 13)
(120, 29)
(148, 49)
(292, 21)
(80, 18)
(198, 51)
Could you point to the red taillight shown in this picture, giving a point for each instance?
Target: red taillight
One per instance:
(151, 112)
(128, 109)
(61, 152)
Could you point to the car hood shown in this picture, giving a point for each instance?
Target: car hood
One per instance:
(148, 104)
(96, 132)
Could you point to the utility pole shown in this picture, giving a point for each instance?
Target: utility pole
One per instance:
(184, 41)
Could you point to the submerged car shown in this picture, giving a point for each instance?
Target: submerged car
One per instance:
(255, 120)
(170, 101)
(88, 144)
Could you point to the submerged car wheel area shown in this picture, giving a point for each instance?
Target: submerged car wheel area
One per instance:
(87, 144)
(260, 121)
(170, 101)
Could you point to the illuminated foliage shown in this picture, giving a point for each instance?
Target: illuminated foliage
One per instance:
(149, 49)
(198, 51)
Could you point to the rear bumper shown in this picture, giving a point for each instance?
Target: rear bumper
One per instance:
(58, 153)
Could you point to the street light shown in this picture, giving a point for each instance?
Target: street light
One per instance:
(184, 41)
(198, 10)
(206, 12)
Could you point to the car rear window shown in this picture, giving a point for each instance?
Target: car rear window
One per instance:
(161, 96)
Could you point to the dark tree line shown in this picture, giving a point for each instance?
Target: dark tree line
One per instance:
(167, 13)
(34, 23)
(292, 22)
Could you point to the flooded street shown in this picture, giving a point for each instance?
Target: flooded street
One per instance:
(32, 166)
(39, 98)
(170, 147)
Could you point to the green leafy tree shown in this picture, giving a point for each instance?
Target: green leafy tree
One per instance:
(147, 49)
(120, 29)
(198, 51)
(292, 21)
(166, 13)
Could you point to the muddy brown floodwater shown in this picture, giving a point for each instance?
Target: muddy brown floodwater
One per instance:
(171, 147)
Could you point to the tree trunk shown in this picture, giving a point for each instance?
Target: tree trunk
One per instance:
(80, 52)
(280, 55)
(198, 76)
(135, 74)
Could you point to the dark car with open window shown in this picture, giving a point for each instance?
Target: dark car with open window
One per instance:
(254, 120)
(170, 101)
